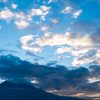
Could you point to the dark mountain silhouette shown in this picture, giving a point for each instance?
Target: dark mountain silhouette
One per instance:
(12, 91)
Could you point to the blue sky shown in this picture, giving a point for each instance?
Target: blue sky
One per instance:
(52, 32)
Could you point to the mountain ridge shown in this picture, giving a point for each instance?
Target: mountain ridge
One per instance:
(12, 91)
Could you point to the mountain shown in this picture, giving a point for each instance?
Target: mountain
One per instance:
(13, 91)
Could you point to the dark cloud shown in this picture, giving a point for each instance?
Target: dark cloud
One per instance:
(49, 78)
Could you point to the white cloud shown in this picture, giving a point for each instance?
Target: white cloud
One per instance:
(63, 49)
(77, 13)
(77, 44)
(83, 60)
(50, 1)
(55, 20)
(22, 24)
(21, 19)
(70, 10)
(3, 0)
(67, 10)
(98, 53)
(46, 27)
(6, 14)
(87, 58)
(73, 39)
(14, 6)
(43, 11)
(74, 51)
(63, 57)
(94, 79)
(29, 46)
(0, 27)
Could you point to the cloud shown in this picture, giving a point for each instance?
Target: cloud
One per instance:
(6, 14)
(3, 0)
(63, 57)
(43, 11)
(98, 53)
(75, 40)
(14, 6)
(33, 55)
(77, 13)
(60, 39)
(21, 24)
(49, 78)
(0, 27)
(90, 58)
(55, 20)
(67, 10)
(50, 1)
(50, 63)
(77, 44)
(21, 19)
(71, 10)
(47, 27)
(28, 45)
(74, 51)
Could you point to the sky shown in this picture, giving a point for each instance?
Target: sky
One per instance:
(55, 44)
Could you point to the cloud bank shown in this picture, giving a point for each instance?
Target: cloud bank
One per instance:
(59, 78)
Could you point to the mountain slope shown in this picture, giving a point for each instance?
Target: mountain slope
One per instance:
(12, 91)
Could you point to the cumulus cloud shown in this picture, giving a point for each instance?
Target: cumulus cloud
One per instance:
(49, 78)
(22, 24)
(6, 14)
(67, 10)
(60, 39)
(43, 11)
(77, 13)
(77, 44)
(90, 58)
(14, 6)
(21, 19)
(28, 45)
(70, 10)
(55, 20)
(98, 53)
(0, 27)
